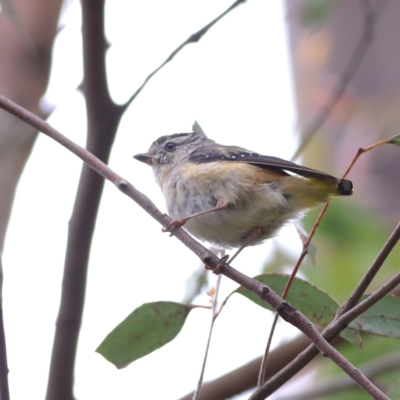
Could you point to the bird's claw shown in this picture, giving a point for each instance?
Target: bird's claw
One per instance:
(218, 268)
(175, 223)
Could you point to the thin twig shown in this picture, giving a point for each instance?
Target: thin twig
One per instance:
(214, 315)
(363, 150)
(194, 38)
(264, 361)
(358, 55)
(285, 310)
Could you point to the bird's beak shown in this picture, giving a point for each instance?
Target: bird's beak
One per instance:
(144, 157)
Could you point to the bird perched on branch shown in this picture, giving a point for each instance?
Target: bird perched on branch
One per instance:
(230, 196)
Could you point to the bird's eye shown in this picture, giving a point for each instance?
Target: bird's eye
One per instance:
(170, 146)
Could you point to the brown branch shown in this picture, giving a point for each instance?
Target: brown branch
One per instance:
(333, 330)
(347, 75)
(285, 310)
(103, 119)
(194, 38)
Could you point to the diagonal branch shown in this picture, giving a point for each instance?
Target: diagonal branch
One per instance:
(194, 38)
(285, 310)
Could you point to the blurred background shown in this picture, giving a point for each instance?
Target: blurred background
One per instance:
(310, 79)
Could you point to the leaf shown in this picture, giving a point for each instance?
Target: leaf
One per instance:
(382, 319)
(312, 248)
(149, 327)
(315, 304)
(395, 140)
(197, 128)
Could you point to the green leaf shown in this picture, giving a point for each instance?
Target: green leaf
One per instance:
(395, 140)
(146, 329)
(382, 319)
(315, 304)
(197, 128)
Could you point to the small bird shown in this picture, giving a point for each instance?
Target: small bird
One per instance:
(232, 197)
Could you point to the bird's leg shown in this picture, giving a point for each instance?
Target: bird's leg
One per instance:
(221, 205)
(254, 233)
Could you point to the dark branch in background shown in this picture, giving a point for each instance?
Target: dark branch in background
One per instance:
(285, 310)
(194, 38)
(371, 18)
(333, 330)
(103, 120)
(4, 390)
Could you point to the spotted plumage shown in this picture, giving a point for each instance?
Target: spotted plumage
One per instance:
(234, 190)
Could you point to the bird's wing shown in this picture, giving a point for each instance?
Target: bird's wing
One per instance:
(236, 154)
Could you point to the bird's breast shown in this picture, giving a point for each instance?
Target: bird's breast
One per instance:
(198, 187)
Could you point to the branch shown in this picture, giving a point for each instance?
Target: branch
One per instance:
(347, 75)
(103, 119)
(285, 310)
(194, 38)
(333, 330)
